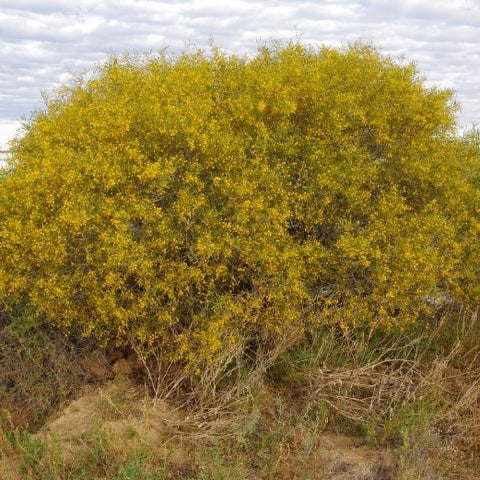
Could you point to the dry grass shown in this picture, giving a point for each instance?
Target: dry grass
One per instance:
(335, 406)
(212, 397)
(421, 395)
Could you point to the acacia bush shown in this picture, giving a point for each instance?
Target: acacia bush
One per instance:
(185, 202)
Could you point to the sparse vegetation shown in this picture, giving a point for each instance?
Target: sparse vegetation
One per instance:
(225, 266)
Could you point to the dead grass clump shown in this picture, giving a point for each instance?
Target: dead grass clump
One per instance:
(213, 395)
(420, 394)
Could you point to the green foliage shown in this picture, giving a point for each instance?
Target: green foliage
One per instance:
(182, 203)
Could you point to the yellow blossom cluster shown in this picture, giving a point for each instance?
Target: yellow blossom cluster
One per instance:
(187, 201)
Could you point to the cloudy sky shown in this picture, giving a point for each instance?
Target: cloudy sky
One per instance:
(43, 42)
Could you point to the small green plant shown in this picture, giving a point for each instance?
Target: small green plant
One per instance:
(134, 468)
(30, 456)
(215, 462)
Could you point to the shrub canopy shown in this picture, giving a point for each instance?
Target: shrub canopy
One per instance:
(182, 202)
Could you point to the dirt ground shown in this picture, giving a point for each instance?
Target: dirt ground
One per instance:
(129, 417)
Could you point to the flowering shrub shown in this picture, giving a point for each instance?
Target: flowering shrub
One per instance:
(184, 202)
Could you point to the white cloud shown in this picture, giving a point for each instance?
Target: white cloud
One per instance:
(7, 131)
